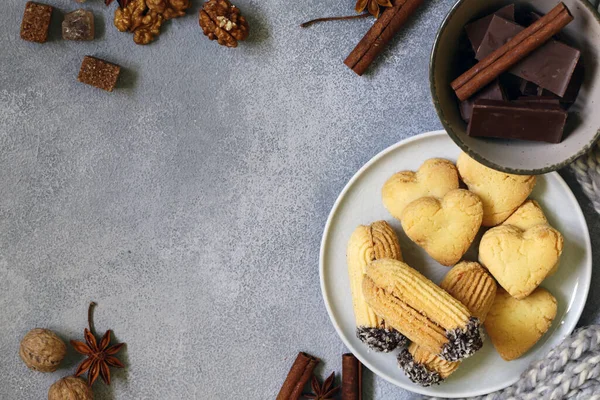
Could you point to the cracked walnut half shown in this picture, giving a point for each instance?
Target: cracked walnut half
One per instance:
(223, 21)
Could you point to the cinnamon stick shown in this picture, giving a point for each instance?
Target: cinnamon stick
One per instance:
(351, 377)
(382, 31)
(517, 48)
(299, 374)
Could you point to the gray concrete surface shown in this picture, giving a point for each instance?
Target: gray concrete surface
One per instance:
(190, 202)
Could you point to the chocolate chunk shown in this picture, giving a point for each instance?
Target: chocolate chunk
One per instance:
(511, 85)
(517, 120)
(476, 30)
(498, 33)
(99, 73)
(550, 67)
(538, 100)
(574, 85)
(527, 88)
(493, 91)
(36, 22)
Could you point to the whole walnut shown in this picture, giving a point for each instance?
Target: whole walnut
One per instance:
(70, 388)
(42, 350)
(222, 21)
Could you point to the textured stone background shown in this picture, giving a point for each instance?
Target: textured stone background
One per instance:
(190, 202)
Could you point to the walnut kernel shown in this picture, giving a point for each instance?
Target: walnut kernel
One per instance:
(224, 22)
(42, 350)
(144, 18)
(169, 8)
(70, 388)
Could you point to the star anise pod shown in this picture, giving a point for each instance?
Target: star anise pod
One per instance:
(100, 356)
(122, 3)
(326, 391)
(373, 6)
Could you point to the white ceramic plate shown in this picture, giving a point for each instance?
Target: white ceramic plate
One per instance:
(360, 203)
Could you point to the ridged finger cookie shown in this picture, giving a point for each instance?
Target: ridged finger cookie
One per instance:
(366, 244)
(469, 283)
(501, 193)
(444, 228)
(434, 178)
(421, 310)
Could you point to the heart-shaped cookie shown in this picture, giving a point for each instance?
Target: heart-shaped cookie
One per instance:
(526, 216)
(522, 251)
(529, 214)
(435, 177)
(444, 228)
(500, 193)
(515, 326)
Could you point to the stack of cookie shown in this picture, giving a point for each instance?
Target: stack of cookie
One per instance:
(394, 304)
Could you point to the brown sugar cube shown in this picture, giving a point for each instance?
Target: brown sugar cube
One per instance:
(99, 73)
(36, 22)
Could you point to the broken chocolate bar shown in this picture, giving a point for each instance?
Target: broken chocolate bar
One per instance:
(99, 73)
(491, 92)
(476, 30)
(539, 100)
(550, 67)
(531, 89)
(541, 122)
(36, 22)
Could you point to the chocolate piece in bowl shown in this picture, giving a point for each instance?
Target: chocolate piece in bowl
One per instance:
(493, 91)
(36, 22)
(527, 88)
(509, 54)
(99, 73)
(538, 100)
(78, 25)
(551, 66)
(542, 122)
(476, 30)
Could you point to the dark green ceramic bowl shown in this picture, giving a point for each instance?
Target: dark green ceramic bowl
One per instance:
(514, 156)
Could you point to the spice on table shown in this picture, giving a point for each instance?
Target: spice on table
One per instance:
(326, 391)
(502, 59)
(372, 6)
(42, 350)
(299, 374)
(384, 29)
(221, 20)
(325, 19)
(100, 356)
(351, 377)
(36, 22)
(99, 73)
(70, 387)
